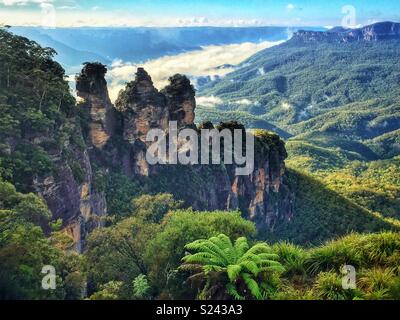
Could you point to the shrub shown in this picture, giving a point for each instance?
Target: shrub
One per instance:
(377, 283)
(141, 288)
(334, 255)
(328, 286)
(109, 291)
(292, 257)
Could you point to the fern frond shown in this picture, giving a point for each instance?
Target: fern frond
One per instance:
(268, 256)
(233, 271)
(216, 250)
(210, 268)
(250, 266)
(241, 246)
(250, 257)
(275, 268)
(261, 247)
(225, 241)
(231, 289)
(190, 267)
(200, 258)
(252, 285)
(195, 245)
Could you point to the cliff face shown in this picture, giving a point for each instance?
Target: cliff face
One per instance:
(69, 192)
(262, 196)
(143, 107)
(375, 32)
(181, 103)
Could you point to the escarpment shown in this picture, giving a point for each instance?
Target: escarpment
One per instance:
(375, 32)
(261, 196)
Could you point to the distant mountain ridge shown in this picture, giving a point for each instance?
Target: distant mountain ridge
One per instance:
(78, 45)
(375, 32)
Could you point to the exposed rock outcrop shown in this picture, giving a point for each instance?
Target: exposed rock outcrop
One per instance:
(181, 101)
(70, 194)
(142, 107)
(261, 196)
(91, 87)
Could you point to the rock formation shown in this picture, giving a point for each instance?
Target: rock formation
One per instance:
(262, 196)
(181, 102)
(142, 107)
(91, 87)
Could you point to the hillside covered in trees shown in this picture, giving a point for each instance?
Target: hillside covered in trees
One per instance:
(336, 99)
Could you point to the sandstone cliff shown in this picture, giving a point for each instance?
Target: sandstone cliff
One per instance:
(69, 191)
(91, 87)
(262, 196)
(108, 139)
(375, 32)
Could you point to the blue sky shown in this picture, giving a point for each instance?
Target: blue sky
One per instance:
(194, 12)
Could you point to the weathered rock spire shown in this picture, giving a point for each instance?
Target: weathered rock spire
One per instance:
(143, 107)
(91, 87)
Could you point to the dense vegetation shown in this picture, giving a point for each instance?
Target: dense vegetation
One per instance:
(28, 242)
(143, 257)
(36, 111)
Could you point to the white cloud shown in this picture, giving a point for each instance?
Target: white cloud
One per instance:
(201, 63)
(355, 27)
(290, 6)
(193, 21)
(67, 7)
(110, 18)
(23, 2)
(245, 102)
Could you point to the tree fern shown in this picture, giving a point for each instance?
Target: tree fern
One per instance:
(238, 266)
